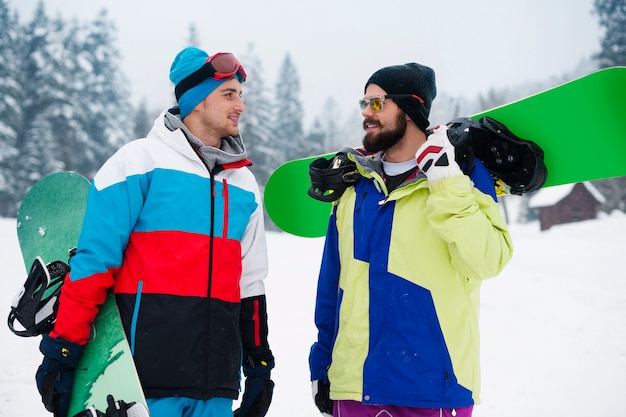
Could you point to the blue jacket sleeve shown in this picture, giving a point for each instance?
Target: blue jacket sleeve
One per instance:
(327, 304)
(482, 179)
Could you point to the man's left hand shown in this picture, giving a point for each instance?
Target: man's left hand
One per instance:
(258, 390)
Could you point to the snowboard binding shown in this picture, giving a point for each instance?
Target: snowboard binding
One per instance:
(36, 304)
(331, 177)
(515, 161)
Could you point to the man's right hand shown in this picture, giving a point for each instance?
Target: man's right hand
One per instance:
(436, 156)
(321, 396)
(55, 376)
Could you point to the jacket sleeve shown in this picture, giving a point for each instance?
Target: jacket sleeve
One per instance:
(254, 262)
(472, 226)
(326, 304)
(254, 331)
(113, 205)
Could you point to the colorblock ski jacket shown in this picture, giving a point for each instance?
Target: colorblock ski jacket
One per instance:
(398, 293)
(181, 242)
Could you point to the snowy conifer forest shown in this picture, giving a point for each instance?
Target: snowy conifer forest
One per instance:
(65, 102)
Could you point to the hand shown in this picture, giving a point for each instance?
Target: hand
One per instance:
(123, 409)
(321, 396)
(55, 376)
(116, 409)
(436, 156)
(257, 394)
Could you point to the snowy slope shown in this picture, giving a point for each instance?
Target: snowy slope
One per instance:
(553, 324)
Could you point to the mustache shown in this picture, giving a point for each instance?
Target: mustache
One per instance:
(370, 121)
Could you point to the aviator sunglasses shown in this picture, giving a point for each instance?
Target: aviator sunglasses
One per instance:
(221, 66)
(376, 102)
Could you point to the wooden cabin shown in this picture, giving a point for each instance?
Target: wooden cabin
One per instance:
(566, 203)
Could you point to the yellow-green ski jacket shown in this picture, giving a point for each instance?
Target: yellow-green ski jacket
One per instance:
(398, 294)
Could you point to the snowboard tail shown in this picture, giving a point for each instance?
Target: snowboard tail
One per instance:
(578, 126)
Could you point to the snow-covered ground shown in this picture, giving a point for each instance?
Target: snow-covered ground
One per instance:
(553, 324)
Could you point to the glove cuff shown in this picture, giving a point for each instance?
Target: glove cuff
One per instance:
(66, 353)
(258, 363)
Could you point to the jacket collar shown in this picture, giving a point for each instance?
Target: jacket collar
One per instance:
(169, 129)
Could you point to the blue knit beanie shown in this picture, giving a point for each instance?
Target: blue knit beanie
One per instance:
(186, 62)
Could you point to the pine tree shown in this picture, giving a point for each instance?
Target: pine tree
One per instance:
(9, 105)
(255, 123)
(64, 116)
(331, 135)
(288, 114)
(42, 90)
(193, 39)
(612, 14)
(314, 142)
(143, 120)
(63, 100)
(351, 131)
(108, 116)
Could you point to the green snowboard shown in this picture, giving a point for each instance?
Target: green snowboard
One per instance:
(568, 122)
(49, 222)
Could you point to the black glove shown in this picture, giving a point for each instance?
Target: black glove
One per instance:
(321, 396)
(124, 409)
(257, 394)
(55, 376)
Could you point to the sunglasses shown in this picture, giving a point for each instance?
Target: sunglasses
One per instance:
(377, 102)
(221, 66)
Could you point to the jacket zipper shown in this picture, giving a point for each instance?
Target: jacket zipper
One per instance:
(211, 258)
(205, 368)
(257, 324)
(225, 195)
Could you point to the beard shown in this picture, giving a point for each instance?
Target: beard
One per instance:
(385, 138)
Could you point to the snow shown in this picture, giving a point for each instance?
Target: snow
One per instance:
(552, 324)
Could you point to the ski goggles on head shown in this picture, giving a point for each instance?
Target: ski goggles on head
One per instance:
(377, 102)
(220, 66)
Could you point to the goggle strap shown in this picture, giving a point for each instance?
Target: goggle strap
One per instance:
(204, 72)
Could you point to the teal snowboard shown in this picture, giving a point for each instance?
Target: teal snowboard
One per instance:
(579, 125)
(49, 222)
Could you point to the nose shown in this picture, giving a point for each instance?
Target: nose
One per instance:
(367, 111)
(240, 106)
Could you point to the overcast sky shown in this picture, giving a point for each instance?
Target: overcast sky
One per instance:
(473, 45)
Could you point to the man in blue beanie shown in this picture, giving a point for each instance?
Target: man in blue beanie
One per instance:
(174, 225)
(407, 248)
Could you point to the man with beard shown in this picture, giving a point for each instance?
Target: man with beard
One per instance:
(406, 251)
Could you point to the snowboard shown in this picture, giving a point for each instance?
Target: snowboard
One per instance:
(579, 126)
(49, 222)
